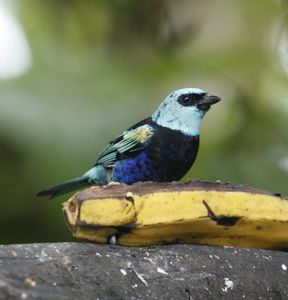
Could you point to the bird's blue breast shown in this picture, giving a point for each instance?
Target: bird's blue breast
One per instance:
(167, 156)
(138, 168)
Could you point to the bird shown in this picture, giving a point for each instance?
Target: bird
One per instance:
(160, 148)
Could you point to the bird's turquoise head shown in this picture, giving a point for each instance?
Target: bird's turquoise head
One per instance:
(184, 110)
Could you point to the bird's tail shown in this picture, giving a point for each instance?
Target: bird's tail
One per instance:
(95, 176)
(65, 187)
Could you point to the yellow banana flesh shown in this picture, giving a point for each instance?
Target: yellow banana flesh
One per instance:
(195, 212)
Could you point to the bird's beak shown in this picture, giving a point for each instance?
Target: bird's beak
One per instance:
(207, 101)
(211, 99)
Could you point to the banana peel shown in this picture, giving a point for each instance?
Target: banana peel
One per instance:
(197, 212)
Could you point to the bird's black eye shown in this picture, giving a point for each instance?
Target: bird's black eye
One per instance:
(186, 100)
(190, 99)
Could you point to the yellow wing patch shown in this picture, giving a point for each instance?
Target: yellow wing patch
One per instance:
(140, 134)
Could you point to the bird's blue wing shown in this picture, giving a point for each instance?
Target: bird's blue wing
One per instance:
(126, 145)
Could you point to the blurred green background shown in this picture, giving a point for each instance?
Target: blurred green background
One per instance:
(92, 68)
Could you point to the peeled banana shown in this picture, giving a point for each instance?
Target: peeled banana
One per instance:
(197, 212)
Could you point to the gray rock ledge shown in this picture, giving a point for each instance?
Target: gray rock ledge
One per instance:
(88, 271)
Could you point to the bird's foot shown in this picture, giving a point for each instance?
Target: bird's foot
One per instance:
(113, 183)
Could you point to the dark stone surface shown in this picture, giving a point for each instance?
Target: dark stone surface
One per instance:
(89, 271)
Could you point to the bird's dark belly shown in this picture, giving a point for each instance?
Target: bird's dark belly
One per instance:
(166, 158)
